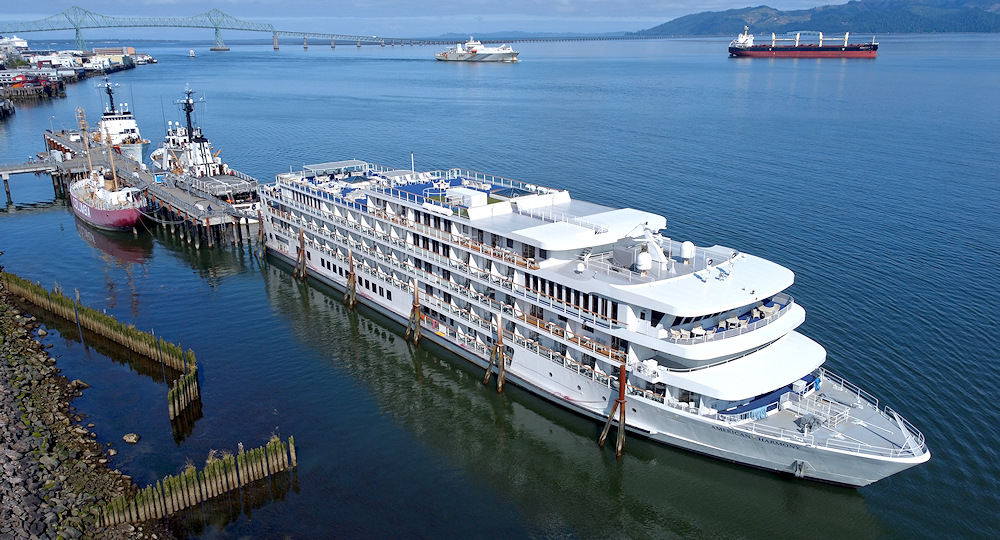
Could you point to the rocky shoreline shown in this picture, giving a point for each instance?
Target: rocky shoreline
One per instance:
(54, 476)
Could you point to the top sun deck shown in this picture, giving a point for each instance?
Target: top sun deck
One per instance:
(608, 242)
(547, 218)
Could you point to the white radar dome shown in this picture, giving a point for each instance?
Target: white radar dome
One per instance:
(644, 261)
(687, 250)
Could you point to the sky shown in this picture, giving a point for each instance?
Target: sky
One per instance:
(408, 18)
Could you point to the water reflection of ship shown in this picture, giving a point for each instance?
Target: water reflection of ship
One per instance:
(530, 451)
(210, 264)
(118, 250)
(122, 247)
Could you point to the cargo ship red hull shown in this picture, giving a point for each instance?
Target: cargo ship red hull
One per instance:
(865, 50)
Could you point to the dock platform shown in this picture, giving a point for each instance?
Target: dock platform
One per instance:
(200, 214)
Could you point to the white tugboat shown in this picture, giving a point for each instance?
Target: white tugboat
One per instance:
(475, 51)
(592, 308)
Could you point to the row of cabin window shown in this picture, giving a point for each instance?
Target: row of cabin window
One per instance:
(370, 285)
(590, 302)
(443, 224)
(304, 199)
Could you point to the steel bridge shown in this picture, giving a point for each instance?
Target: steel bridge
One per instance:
(76, 18)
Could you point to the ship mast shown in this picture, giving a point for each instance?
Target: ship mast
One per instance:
(187, 105)
(81, 119)
(111, 156)
(111, 95)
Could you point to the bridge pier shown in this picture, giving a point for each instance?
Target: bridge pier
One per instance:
(6, 187)
(219, 44)
(275, 41)
(333, 43)
(305, 44)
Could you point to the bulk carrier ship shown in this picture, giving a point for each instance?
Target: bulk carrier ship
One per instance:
(838, 47)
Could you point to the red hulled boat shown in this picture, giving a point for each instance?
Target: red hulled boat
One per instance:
(114, 210)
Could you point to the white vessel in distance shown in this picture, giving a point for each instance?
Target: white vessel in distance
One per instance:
(475, 51)
(563, 293)
(118, 125)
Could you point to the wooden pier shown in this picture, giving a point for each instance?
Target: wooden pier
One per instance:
(193, 216)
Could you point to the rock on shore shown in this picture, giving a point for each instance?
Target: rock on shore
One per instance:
(53, 474)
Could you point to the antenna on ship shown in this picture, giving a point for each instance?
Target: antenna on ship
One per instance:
(111, 94)
(412, 168)
(187, 105)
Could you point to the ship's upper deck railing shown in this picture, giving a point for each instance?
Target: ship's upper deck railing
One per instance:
(552, 216)
(748, 323)
(485, 183)
(491, 180)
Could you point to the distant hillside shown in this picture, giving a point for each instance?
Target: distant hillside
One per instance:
(858, 17)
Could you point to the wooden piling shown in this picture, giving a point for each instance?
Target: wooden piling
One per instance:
(350, 292)
(193, 487)
(413, 325)
(498, 357)
(620, 407)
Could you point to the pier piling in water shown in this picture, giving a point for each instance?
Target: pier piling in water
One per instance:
(414, 323)
(620, 407)
(498, 356)
(350, 292)
(184, 392)
(102, 324)
(221, 475)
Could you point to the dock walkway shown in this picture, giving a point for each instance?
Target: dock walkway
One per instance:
(198, 215)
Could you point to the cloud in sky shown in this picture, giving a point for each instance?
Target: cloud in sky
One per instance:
(412, 19)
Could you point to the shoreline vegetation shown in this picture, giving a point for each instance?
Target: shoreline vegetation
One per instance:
(55, 477)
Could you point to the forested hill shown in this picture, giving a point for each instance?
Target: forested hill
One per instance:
(858, 17)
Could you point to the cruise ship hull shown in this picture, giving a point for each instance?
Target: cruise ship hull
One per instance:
(562, 385)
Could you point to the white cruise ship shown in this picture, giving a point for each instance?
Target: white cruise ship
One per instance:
(475, 51)
(564, 293)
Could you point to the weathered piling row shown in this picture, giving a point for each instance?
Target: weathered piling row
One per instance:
(184, 392)
(103, 324)
(189, 224)
(193, 487)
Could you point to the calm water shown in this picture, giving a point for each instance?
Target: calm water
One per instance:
(875, 181)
